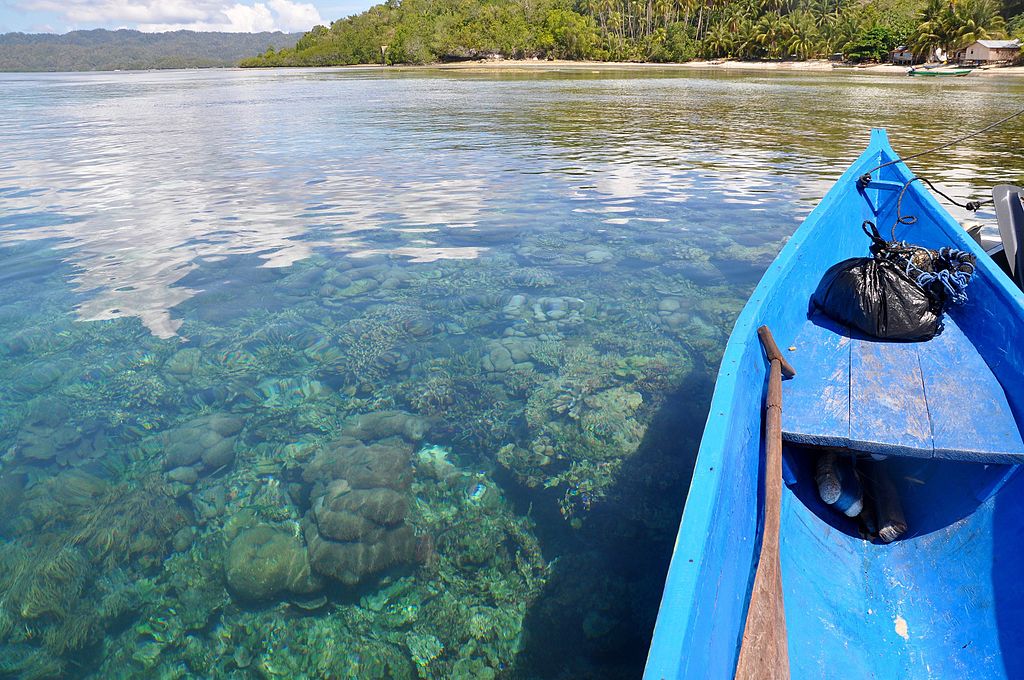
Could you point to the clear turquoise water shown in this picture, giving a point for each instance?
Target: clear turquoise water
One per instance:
(363, 374)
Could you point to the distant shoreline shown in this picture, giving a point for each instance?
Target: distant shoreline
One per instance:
(809, 66)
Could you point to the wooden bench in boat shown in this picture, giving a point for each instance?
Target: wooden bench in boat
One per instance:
(923, 399)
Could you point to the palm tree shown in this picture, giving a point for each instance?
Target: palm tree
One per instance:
(769, 32)
(839, 33)
(746, 45)
(800, 34)
(955, 25)
(719, 41)
(977, 20)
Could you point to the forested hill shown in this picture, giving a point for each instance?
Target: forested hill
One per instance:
(424, 31)
(102, 50)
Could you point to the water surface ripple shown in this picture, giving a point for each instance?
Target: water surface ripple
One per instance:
(381, 374)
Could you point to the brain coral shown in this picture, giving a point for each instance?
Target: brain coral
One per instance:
(206, 442)
(356, 523)
(264, 561)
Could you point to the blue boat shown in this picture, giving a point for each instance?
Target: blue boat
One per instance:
(946, 600)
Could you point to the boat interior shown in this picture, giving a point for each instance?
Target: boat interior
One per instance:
(936, 418)
(946, 598)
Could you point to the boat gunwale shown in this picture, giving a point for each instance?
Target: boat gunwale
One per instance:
(679, 606)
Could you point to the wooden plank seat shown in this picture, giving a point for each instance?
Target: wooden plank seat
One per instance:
(923, 399)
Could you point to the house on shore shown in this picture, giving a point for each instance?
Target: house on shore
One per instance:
(990, 52)
(903, 55)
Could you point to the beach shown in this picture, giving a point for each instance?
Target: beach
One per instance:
(811, 65)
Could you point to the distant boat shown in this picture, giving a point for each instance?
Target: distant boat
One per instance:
(938, 73)
(947, 599)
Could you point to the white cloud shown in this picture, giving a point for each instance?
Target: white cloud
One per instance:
(196, 15)
(295, 16)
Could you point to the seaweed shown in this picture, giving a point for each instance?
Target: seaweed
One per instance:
(133, 520)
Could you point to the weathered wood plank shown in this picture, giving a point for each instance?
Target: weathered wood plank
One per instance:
(888, 410)
(971, 419)
(817, 409)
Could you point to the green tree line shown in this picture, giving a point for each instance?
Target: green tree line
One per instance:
(426, 31)
(102, 50)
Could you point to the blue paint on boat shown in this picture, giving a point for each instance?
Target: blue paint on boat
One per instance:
(945, 601)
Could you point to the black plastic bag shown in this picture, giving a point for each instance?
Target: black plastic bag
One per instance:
(878, 298)
(899, 293)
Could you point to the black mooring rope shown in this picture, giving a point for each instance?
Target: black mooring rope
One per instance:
(911, 219)
(865, 179)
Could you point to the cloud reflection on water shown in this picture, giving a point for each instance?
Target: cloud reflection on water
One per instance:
(140, 179)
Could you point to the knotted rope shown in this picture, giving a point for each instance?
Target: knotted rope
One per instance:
(949, 267)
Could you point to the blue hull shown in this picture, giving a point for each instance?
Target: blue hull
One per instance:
(947, 602)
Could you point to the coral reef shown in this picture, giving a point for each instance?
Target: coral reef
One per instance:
(383, 424)
(356, 525)
(264, 562)
(132, 522)
(206, 443)
(48, 434)
(311, 480)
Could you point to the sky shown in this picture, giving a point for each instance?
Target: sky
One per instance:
(61, 16)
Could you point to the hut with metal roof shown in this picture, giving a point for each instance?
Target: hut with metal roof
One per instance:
(990, 52)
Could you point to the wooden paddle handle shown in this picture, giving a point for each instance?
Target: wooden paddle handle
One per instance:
(771, 350)
(764, 653)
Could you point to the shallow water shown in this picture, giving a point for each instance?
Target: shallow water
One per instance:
(380, 374)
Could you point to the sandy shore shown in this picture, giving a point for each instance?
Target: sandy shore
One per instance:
(814, 65)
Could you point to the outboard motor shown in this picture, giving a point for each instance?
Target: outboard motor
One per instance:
(1009, 204)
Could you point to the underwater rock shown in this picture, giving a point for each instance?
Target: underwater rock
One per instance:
(498, 359)
(346, 514)
(597, 256)
(503, 355)
(264, 562)
(286, 392)
(383, 464)
(532, 277)
(39, 443)
(28, 339)
(394, 361)
(209, 502)
(668, 305)
(185, 475)
(356, 525)
(309, 604)
(514, 306)
(182, 540)
(675, 312)
(302, 281)
(556, 308)
(207, 441)
(433, 462)
(469, 668)
(48, 433)
(182, 365)
(384, 424)
(357, 287)
(419, 326)
(38, 377)
(351, 562)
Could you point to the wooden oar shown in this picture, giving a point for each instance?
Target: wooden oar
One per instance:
(764, 654)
